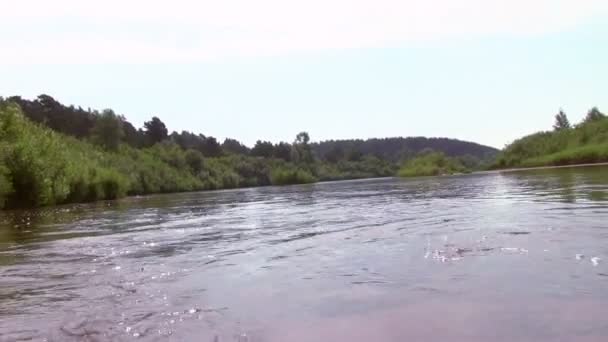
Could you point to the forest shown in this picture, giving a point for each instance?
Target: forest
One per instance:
(51, 153)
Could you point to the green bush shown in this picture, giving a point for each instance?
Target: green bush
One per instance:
(432, 164)
(112, 184)
(6, 187)
(36, 159)
(586, 143)
(285, 176)
(39, 166)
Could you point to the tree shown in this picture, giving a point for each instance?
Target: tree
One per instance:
(195, 161)
(354, 155)
(302, 151)
(187, 140)
(210, 147)
(132, 136)
(335, 154)
(593, 115)
(282, 150)
(107, 131)
(561, 121)
(302, 138)
(262, 149)
(156, 131)
(234, 146)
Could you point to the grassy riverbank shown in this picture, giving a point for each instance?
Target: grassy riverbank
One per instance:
(584, 143)
(40, 167)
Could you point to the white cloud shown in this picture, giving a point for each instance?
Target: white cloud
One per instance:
(136, 31)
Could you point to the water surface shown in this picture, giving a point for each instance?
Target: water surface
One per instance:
(489, 257)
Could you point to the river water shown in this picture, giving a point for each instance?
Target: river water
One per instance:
(517, 256)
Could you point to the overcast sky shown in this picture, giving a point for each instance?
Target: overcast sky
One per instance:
(480, 70)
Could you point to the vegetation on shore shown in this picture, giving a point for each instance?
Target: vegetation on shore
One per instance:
(40, 167)
(53, 154)
(586, 142)
(432, 164)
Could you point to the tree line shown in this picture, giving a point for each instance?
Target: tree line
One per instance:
(108, 129)
(51, 153)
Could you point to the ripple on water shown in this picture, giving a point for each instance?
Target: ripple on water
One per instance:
(154, 268)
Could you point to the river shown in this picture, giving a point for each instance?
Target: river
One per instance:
(517, 256)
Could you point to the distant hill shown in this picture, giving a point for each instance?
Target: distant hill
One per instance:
(397, 149)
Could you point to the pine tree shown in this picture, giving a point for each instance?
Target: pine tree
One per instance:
(561, 121)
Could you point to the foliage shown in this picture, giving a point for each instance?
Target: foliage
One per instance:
(43, 167)
(263, 149)
(195, 161)
(301, 151)
(6, 187)
(107, 131)
(51, 154)
(156, 131)
(282, 151)
(432, 164)
(577, 155)
(396, 150)
(561, 121)
(585, 143)
(78, 122)
(367, 167)
(208, 146)
(593, 114)
(283, 176)
(234, 146)
(67, 120)
(40, 167)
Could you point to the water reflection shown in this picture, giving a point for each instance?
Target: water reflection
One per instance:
(565, 184)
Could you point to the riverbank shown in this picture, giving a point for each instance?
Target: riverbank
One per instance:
(54, 154)
(40, 167)
(435, 164)
(583, 143)
(549, 167)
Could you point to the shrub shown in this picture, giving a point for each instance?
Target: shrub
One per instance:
(6, 187)
(586, 143)
(285, 176)
(432, 164)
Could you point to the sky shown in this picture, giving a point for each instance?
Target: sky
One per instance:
(478, 70)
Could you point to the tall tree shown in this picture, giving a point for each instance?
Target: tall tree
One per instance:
(302, 138)
(132, 136)
(561, 121)
(210, 146)
(156, 131)
(108, 131)
(282, 151)
(262, 149)
(302, 150)
(234, 146)
(593, 114)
